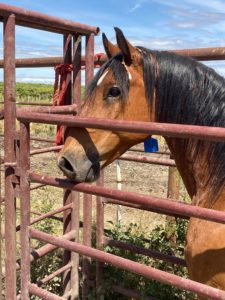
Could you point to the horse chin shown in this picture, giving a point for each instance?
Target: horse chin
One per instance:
(93, 173)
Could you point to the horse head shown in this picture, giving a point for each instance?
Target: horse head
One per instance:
(116, 92)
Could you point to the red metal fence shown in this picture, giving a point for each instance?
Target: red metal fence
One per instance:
(19, 176)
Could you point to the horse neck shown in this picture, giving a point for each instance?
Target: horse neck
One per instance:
(191, 158)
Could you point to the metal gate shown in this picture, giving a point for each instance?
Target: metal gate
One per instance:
(19, 175)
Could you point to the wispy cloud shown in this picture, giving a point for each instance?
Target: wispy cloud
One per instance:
(194, 18)
(137, 5)
(213, 5)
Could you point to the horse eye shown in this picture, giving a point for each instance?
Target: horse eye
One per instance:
(114, 92)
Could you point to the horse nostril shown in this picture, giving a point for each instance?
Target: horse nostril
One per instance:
(65, 165)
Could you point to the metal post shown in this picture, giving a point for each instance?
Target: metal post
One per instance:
(87, 229)
(75, 224)
(9, 129)
(77, 70)
(67, 52)
(87, 204)
(99, 238)
(172, 193)
(75, 214)
(89, 58)
(119, 187)
(1, 244)
(24, 164)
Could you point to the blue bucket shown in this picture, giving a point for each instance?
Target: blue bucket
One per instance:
(151, 145)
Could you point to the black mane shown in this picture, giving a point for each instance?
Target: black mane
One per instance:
(187, 91)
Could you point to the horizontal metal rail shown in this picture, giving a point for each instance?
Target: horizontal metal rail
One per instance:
(42, 251)
(138, 149)
(45, 150)
(150, 201)
(44, 216)
(42, 62)
(144, 207)
(140, 250)
(165, 129)
(47, 215)
(148, 160)
(32, 211)
(132, 294)
(63, 109)
(203, 54)
(132, 266)
(54, 274)
(45, 22)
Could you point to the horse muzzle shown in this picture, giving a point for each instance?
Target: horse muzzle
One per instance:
(79, 170)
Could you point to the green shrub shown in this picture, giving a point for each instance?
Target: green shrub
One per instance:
(155, 240)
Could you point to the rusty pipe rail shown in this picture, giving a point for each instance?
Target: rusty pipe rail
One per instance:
(202, 54)
(63, 109)
(45, 150)
(42, 251)
(132, 266)
(144, 207)
(42, 62)
(140, 250)
(45, 22)
(134, 198)
(165, 129)
(148, 160)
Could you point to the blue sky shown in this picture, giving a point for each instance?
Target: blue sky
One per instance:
(156, 24)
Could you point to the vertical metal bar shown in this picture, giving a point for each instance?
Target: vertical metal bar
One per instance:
(75, 224)
(1, 244)
(67, 54)
(87, 204)
(9, 130)
(75, 214)
(66, 229)
(77, 70)
(87, 212)
(67, 59)
(87, 226)
(24, 164)
(119, 187)
(89, 58)
(99, 239)
(173, 193)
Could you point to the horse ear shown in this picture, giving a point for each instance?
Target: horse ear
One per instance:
(131, 54)
(110, 49)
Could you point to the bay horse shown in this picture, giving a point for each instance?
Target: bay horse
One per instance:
(157, 86)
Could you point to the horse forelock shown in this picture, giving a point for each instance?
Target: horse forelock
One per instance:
(120, 73)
